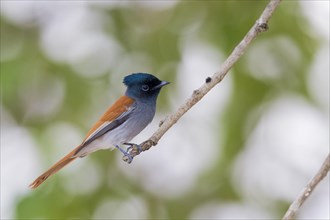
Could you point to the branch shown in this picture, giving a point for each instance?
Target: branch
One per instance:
(296, 204)
(260, 26)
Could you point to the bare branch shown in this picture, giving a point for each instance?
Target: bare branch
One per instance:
(296, 204)
(260, 26)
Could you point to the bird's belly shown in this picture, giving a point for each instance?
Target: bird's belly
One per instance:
(123, 133)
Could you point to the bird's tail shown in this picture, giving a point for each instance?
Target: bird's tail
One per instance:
(54, 169)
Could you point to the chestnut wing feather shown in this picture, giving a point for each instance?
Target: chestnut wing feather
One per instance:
(116, 115)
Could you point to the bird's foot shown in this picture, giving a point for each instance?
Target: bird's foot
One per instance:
(126, 154)
(133, 147)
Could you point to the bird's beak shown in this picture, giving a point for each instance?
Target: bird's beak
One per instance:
(163, 83)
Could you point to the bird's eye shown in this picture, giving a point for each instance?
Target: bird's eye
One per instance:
(145, 88)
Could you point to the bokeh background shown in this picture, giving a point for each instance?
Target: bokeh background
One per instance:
(244, 152)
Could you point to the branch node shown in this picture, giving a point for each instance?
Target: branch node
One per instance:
(261, 26)
(208, 79)
(196, 92)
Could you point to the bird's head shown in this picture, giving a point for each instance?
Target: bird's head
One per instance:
(143, 86)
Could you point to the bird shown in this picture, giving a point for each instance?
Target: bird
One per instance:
(125, 119)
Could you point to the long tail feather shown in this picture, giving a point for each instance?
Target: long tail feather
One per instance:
(54, 169)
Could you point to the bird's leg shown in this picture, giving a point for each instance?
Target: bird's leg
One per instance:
(133, 146)
(130, 158)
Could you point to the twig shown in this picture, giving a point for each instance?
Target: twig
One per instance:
(260, 26)
(297, 203)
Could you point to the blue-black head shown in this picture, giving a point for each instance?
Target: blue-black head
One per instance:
(143, 86)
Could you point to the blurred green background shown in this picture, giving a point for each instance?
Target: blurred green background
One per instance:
(244, 152)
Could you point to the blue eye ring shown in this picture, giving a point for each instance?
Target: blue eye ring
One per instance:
(145, 88)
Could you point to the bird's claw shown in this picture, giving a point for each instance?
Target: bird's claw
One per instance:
(127, 156)
(133, 147)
